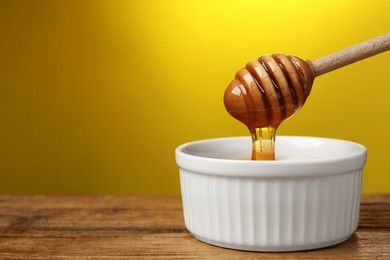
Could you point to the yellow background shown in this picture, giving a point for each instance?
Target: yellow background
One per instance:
(96, 95)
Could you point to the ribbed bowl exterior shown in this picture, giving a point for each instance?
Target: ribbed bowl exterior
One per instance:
(271, 214)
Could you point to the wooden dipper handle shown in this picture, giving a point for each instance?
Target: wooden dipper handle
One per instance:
(350, 55)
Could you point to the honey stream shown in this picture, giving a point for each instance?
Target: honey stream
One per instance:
(263, 143)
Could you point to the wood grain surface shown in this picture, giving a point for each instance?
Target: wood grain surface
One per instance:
(149, 227)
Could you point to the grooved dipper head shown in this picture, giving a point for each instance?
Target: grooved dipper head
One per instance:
(269, 90)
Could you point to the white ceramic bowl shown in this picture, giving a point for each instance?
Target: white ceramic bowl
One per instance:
(307, 198)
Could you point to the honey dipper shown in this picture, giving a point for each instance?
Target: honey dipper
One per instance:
(271, 89)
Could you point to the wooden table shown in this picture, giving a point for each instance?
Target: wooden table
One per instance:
(123, 227)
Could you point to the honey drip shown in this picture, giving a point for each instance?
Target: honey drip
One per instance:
(272, 88)
(264, 94)
(263, 143)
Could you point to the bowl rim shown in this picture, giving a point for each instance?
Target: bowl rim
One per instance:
(278, 168)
